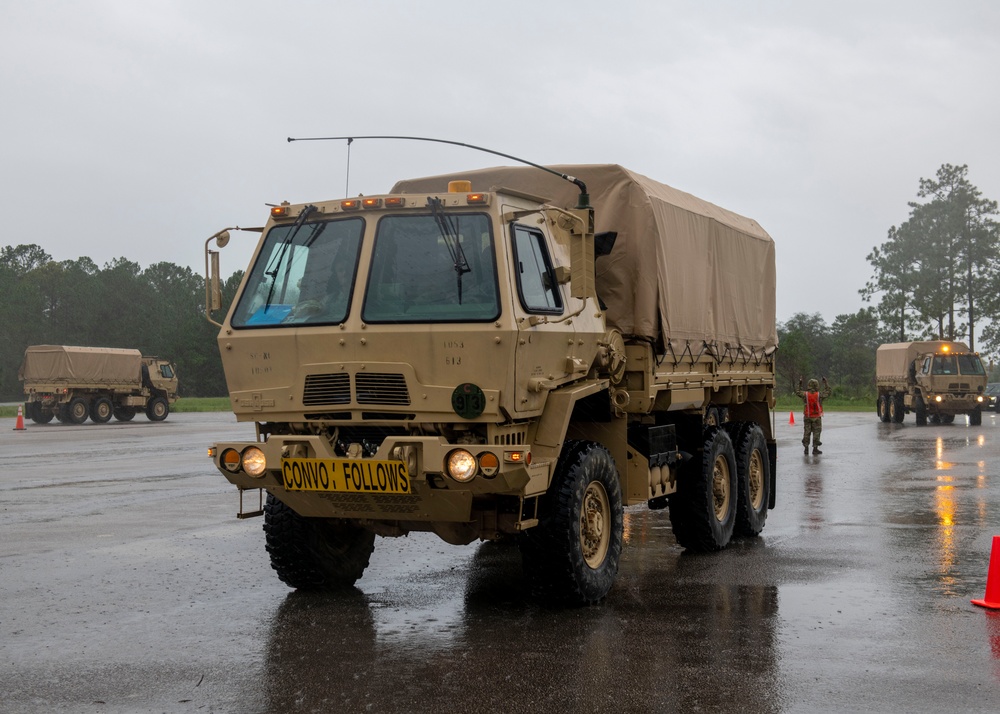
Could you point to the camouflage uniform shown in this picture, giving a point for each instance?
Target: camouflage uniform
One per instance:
(812, 425)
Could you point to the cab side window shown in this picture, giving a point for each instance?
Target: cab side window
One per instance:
(536, 282)
(927, 366)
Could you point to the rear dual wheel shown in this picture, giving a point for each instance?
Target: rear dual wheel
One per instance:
(101, 410)
(753, 478)
(703, 511)
(896, 410)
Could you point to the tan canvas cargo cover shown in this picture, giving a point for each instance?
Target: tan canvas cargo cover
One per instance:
(681, 268)
(81, 365)
(893, 360)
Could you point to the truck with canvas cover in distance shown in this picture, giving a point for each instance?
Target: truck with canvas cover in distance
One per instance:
(934, 380)
(508, 353)
(73, 383)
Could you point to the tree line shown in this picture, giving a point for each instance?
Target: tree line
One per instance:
(158, 310)
(936, 277)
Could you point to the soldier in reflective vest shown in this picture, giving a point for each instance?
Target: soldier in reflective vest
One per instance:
(812, 417)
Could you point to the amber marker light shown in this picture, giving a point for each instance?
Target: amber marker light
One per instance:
(475, 198)
(371, 202)
(230, 460)
(395, 202)
(279, 211)
(489, 464)
(350, 204)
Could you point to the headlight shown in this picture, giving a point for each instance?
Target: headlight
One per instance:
(979, 398)
(461, 465)
(254, 462)
(937, 398)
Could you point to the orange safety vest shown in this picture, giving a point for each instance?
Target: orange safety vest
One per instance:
(814, 408)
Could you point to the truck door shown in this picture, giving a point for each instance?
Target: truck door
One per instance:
(544, 347)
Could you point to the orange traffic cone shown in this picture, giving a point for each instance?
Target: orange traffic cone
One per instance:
(20, 418)
(992, 598)
(791, 418)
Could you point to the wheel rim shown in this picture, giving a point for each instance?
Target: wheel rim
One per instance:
(595, 524)
(79, 410)
(720, 488)
(755, 480)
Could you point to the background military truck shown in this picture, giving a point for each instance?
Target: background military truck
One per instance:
(72, 383)
(935, 380)
(448, 357)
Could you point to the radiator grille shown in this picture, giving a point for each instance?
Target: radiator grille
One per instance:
(323, 389)
(374, 388)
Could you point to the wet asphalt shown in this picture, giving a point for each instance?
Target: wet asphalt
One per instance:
(128, 585)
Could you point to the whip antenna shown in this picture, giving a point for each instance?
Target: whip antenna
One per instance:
(583, 200)
(347, 183)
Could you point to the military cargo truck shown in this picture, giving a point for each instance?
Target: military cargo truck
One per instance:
(935, 380)
(463, 355)
(73, 383)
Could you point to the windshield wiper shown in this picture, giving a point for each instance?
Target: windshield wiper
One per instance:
(280, 258)
(451, 240)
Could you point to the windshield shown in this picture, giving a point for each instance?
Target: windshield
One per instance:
(423, 271)
(958, 364)
(970, 364)
(302, 276)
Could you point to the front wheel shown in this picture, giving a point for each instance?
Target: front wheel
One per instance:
(315, 553)
(975, 418)
(157, 409)
(703, 511)
(571, 556)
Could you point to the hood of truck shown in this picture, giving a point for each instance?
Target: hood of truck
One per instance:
(390, 373)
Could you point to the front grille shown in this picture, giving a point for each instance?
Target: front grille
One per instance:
(374, 388)
(323, 389)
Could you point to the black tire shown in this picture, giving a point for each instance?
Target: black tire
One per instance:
(157, 409)
(712, 418)
(935, 418)
(38, 415)
(921, 417)
(896, 412)
(62, 413)
(753, 479)
(125, 413)
(571, 556)
(703, 511)
(101, 410)
(882, 408)
(975, 418)
(315, 553)
(77, 410)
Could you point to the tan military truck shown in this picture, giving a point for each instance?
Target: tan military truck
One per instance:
(73, 383)
(451, 357)
(935, 380)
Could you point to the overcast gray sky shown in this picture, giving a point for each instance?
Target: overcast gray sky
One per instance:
(138, 129)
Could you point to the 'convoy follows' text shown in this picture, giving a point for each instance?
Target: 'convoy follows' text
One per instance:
(345, 476)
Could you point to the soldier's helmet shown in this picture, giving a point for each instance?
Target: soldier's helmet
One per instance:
(813, 384)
